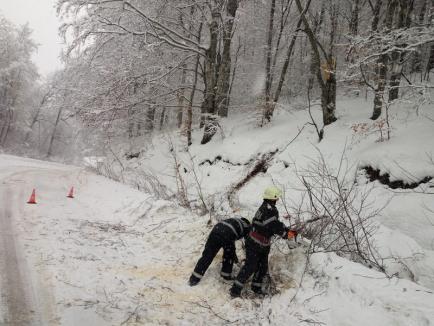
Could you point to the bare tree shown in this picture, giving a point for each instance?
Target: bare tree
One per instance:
(17, 76)
(218, 68)
(397, 57)
(272, 56)
(327, 80)
(354, 20)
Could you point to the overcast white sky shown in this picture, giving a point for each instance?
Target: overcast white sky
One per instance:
(41, 16)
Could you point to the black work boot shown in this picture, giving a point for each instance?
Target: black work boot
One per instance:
(193, 280)
(235, 291)
(258, 290)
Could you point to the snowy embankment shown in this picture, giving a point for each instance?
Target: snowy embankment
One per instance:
(116, 256)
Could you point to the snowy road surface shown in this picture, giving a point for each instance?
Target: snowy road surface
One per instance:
(16, 289)
(25, 298)
(115, 256)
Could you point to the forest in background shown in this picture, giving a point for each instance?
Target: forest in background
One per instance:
(135, 68)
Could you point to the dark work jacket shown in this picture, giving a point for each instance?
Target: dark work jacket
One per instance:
(266, 223)
(231, 229)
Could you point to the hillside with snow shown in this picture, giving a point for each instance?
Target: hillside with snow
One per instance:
(115, 255)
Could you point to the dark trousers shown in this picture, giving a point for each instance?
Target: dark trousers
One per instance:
(212, 247)
(256, 264)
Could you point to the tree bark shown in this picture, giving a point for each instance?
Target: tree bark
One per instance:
(217, 71)
(328, 87)
(416, 60)
(381, 66)
(181, 96)
(189, 113)
(6, 127)
(150, 118)
(288, 58)
(328, 95)
(354, 21)
(319, 18)
(430, 63)
(163, 117)
(398, 57)
(210, 77)
(53, 134)
(269, 107)
(130, 123)
(382, 63)
(376, 15)
(36, 115)
(381, 84)
(224, 74)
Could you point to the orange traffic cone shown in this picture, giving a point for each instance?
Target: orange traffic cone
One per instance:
(71, 193)
(32, 199)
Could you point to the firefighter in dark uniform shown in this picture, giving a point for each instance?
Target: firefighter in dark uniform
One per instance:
(223, 235)
(265, 224)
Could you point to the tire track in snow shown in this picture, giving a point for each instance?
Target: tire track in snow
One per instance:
(26, 288)
(15, 299)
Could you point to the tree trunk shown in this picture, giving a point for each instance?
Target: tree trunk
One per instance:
(234, 71)
(381, 66)
(9, 116)
(36, 115)
(316, 29)
(149, 120)
(376, 15)
(130, 122)
(210, 77)
(163, 117)
(224, 75)
(354, 21)
(398, 57)
(218, 71)
(6, 127)
(53, 134)
(328, 87)
(181, 96)
(288, 56)
(286, 63)
(430, 63)
(328, 94)
(189, 118)
(381, 84)
(269, 107)
(382, 63)
(416, 60)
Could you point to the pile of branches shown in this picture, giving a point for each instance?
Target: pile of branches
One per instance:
(339, 213)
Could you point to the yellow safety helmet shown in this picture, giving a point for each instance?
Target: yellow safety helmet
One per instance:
(272, 193)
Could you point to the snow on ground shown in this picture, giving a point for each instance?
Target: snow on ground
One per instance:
(353, 141)
(113, 255)
(116, 256)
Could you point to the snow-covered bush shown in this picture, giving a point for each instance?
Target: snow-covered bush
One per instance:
(340, 213)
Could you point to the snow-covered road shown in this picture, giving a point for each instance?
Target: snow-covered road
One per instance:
(24, 299)
(16, 290)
